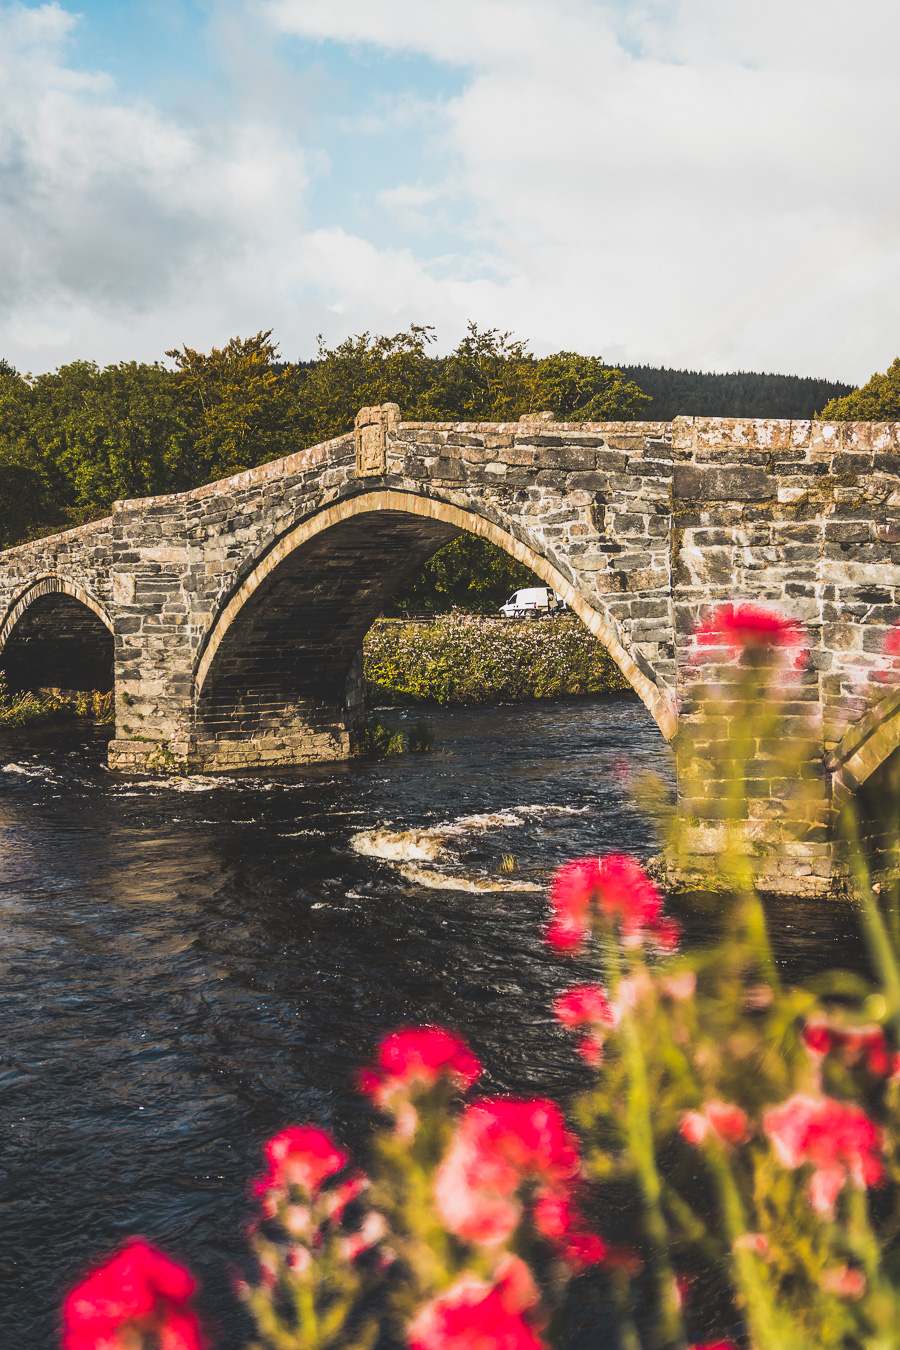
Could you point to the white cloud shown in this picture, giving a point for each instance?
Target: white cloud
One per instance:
(675, 181)
(687, 182)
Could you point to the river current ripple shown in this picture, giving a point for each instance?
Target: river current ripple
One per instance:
(188, 966)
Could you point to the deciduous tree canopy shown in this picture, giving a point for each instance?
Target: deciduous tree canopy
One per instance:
(74, 441)
(877, 401)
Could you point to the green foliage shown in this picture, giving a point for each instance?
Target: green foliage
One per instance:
(74, 441)
(877, 401)
(362, 372)
(87, 437)
(457, 659)
(240, 411)
(469, 573)
(380, 740)
(22, 709)
(743, 393)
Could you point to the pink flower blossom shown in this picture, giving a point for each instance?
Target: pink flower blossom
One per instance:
(138, 1296)
(845, 1281)
(558, 1218)
(373, 1228)
(867, 1046)
(837, 1138)
(500, 1144)
(680, 987)
(619, 892)
(300, 1156)
(726, 1122)
(475, 1315)
(571, 894)
(742, 628)
(628, 896)
(415, 1059)
(586, 1005)
(752, 1242)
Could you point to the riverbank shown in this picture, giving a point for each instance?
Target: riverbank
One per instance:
(21, 709)
(464, 659)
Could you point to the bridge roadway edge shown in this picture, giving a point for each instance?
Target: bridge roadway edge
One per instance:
(646, 525)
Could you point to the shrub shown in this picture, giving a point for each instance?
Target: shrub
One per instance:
(458, 658)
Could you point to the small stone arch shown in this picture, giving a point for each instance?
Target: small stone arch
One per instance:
(866, 745)
(56, 634)
(456, 519)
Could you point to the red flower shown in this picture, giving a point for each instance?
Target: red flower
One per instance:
(714, 1345)
(586, 1005)
(743, 628)
(854, 1045)
(818, 1037)
(573, 889)
(417, 1058)
(473, 1315)
(558, 1218)
(582, 1005)
(619, 891)
(845, 1281)
(727, 1122)
(300, 1156)
(500, 1144)
(137, 1297)
(837, 1138)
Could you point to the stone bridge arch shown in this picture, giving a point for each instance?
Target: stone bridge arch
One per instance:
(56, 634)
(277, 671)
(866, 745)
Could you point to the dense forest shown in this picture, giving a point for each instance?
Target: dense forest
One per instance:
(75, 440)
(744, 393)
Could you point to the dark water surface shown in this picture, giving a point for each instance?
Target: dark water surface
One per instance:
(189, 966)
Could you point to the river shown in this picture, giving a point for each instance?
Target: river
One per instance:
(189, 965)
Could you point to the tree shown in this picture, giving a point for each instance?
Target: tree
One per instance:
(582, 389)
(490, 377)
(469, 573)
(877, 401)
(93, 435)
(362, 372)
(240, 409)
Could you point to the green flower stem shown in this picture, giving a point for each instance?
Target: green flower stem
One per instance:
(881, 949)
(639, 1131)
(769, 1328)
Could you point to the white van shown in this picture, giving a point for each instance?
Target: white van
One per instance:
(531, 602)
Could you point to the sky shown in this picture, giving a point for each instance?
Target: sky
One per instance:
(695, 183)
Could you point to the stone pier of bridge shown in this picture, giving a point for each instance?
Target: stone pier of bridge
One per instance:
(229, 620)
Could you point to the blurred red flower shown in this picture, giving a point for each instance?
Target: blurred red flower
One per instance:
(744, 627)
(573, 888)
(474, 1315)
(138, 1297)
(501, 1144)
(616, 888)
(837, 1138)
(301, 1155)
(723, 1119)
(417, 1058)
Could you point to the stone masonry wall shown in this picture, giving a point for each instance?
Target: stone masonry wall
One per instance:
(236, 619)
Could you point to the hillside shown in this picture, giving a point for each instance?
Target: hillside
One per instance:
(743, 393)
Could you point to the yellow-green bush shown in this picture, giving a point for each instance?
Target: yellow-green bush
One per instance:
(459, 658)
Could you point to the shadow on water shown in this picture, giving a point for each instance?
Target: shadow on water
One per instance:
(188, 966)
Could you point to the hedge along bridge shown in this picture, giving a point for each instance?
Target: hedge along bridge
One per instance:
(229, 620)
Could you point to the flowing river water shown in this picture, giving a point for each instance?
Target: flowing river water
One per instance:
(189, 965)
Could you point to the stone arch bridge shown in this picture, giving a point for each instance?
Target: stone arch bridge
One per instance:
(229, 619)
